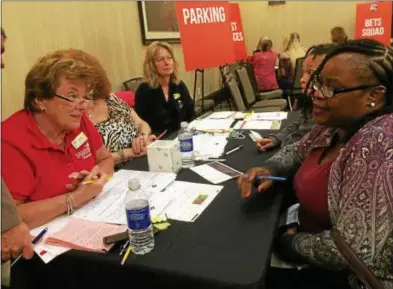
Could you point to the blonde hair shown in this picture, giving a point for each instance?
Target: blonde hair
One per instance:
(338, 35)
(149, 67)
(43, 78)
(292, 48)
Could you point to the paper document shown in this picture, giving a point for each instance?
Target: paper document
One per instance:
(258, 124)
(209, 146)
(254, 135)
(48, 252)
(85, 235)
(109, 206)
(222, 114)
(212, 124)
(293, 214)
(280, 115)
(216, 172)
(189, 200)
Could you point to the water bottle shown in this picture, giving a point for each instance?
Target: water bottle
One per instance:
(186, 145)
(140, 228)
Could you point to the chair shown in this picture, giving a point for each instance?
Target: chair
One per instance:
(274, 94)
(126, 96)
(296, 89)
(133, 83)
(250, 98)
(233, 88)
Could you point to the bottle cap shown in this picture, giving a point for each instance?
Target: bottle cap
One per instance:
(184, 124)
(134, 184)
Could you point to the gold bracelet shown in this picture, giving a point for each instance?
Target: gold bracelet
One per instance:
(70, 201)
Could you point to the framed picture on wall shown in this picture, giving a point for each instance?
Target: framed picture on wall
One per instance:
(158, 21)
(276, 2)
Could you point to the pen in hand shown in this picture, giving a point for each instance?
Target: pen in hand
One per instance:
(34, 242)
(93, 181)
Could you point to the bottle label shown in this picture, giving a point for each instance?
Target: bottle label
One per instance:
(186, 145)
(138, 219)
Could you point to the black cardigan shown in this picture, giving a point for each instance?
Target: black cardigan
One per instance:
(161, 115)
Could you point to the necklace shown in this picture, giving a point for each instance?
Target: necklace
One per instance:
(40, 129)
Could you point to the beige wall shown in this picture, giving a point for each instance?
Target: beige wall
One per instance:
(108, 30)
(311, 19)
(111, 31)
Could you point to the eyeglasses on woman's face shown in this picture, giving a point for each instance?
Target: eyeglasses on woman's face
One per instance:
(74, 99)
(329, 92)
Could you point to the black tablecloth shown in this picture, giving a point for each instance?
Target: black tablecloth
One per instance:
(228, 246)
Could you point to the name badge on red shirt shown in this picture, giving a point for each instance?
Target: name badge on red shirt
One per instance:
(79, 140)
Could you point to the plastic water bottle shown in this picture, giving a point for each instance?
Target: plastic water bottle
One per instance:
(186, 145)
(140, 229)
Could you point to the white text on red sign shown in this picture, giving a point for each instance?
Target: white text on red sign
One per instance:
(204, 15)
(373, 27)
(237, 36)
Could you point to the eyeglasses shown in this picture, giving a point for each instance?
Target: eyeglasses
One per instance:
(329, 92)
(162, 59)
(74, 99)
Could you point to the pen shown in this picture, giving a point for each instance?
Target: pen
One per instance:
(233, 150)
(34, 242)
(280, 179)
(126, 255)
(93, 181)
(161, 135)
(124, 247)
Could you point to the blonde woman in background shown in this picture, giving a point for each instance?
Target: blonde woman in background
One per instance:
(292, 50)
(163, 99)
(338, 35)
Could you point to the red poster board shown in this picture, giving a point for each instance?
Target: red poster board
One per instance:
(374, 20)
(237, 32)
(205, 33)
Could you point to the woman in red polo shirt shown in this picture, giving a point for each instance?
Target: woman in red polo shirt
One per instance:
(51, 143)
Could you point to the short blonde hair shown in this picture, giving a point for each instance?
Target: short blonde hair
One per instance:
(149, 67)
(43, 78)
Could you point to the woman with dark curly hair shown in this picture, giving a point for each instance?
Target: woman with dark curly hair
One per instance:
(344, 166)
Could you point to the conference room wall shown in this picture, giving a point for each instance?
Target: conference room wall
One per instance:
(108, 30)
(311, 19)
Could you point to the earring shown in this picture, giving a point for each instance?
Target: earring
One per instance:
(372, 104)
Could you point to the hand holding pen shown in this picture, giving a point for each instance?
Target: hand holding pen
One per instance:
(260, 177)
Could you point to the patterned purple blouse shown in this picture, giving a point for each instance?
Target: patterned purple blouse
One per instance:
(360, 197)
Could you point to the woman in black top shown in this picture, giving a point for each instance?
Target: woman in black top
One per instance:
(163, 100)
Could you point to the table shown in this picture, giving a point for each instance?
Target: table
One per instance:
(228, 246)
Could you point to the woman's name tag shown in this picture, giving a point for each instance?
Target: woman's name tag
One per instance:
(79, 140)
(176, 96)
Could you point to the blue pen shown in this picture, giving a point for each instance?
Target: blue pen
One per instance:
(34, 242)
(279, 179)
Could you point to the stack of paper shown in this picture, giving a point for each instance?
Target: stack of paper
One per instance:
(48, 252)
(209, 146)
(216, 172)
(109, 205)
(84, 235)
(211, 124)
(280, 115)
(189, 200)
(226, 114)
(258, 124)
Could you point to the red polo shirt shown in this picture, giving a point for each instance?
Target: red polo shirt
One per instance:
(33, 168)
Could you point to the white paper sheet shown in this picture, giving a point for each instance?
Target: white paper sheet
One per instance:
(189, 200)
(216, 172)
(48, 252)
(221, 114)
(254, 124)
(209, 146)
(279, 115)
(212, 124)
(109, 205)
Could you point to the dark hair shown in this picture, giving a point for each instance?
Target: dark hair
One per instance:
(338, 35)
(3, 33)
(379, 62)
(317, 50)
(267, 44)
